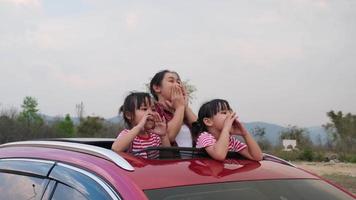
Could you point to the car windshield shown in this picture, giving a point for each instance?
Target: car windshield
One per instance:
(267, 190)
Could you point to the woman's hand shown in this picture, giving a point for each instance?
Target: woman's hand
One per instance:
(177, 97)
(185, 95)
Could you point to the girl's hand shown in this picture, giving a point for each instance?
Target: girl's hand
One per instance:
(230, 118)
(143, 121)
(238, 128)
(160, 125)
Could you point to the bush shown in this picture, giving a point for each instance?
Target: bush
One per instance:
(348, 158)
(353, 159)
(319, 156)
(306, 154)
(287, 155)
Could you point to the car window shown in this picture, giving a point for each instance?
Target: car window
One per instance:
(80, 183)
(265, 190)
(28, 166)
(21, 187)
(65, 192)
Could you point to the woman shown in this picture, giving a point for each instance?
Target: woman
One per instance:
(173, 104)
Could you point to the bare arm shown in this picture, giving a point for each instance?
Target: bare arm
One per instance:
(123, 142)
(165, 141)
(189, 116)
(253, 150)
(219, 150)
(178, 103)
(175, 124)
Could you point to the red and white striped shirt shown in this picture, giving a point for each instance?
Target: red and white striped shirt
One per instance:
(206, 139)
(140, 143)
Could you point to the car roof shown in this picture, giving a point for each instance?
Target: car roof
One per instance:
(155, 173)
(171, 173)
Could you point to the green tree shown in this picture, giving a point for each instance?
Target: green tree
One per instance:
(91, 126)
(259, 133)
(65, 127)
(190, 89)
(342, 131)
(80, 110)
(29, 114)
(299, 134)
(9, 126)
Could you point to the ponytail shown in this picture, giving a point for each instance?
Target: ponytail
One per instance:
(197, 128)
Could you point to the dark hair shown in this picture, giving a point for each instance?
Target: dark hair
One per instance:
(207, 110)
(157, 80)
(133, 102)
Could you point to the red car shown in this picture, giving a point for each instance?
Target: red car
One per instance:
(88, 169)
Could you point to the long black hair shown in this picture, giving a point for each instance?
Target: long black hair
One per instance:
(207, 110)
(157, 80)
(133, 102)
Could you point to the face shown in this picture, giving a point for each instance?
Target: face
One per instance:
(169, 80)
(141, 111)
(219, 119)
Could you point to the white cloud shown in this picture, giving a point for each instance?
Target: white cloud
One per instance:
(35, 3)
(132, 20)
(252, 53)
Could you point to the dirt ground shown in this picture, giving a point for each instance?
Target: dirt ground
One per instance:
(320, 168)
(343, 174)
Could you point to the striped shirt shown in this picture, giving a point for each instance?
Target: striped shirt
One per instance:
(168, 115)
(206, 139)
(140, 143)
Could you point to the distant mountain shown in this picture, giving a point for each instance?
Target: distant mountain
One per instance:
(272, 130)
(116, 119)
(52, 119)
(317, 134)
(48, 118)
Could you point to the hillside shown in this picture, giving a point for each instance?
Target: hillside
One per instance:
(272, 130)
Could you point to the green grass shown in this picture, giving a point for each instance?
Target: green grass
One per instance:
(347, 182)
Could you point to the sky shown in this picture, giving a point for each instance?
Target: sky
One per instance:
(286, 62)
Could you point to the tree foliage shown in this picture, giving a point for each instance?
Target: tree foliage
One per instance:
(259, 133)
(190, 89)
(342, 131)
(79, 108)
(91, 126)
(13, 129)
(29, 114)
(95, 126)
(298, 134)
(65, 127)
(28, 124)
